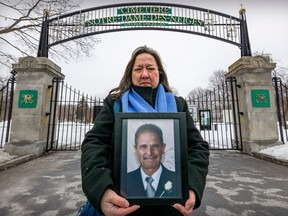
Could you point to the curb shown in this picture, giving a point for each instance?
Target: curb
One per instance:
(17, 161)
(270, 158)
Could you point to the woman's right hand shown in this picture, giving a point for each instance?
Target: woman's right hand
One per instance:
(115, 205)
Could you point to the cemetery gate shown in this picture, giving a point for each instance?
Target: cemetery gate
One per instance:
(72, 113)
(215, 112)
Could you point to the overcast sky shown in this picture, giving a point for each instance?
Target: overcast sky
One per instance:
(189, 59)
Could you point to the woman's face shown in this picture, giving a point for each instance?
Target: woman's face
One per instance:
(145, 71)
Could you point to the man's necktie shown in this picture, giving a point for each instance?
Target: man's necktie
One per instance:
(150, 191)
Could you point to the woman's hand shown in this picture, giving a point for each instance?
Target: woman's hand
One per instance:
(189, 205)
(114, 205)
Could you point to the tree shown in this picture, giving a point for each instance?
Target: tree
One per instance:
(21, 26)
(217, 78)
(82, 110)
(198, 91)
(216, 98)
(282, 73)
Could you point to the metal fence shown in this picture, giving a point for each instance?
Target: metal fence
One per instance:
(71, 115)
(6, 104)
(217, 116)
(281, 96)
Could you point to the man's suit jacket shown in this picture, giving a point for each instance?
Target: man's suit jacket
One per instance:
(133, 186)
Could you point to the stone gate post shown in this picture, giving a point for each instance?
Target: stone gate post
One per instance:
(256, 101)
(31, 103)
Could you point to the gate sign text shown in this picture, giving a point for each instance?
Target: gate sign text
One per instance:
(145, 18)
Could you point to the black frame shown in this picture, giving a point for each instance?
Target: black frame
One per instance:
(177, 122)
(203, 115)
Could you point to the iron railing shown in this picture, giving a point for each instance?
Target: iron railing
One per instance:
(71, 115)
(281, 97)
(6, 105)
(219, 110)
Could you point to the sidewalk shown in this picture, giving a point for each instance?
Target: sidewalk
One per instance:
(7, 161)
(47, 185)
(237, 184)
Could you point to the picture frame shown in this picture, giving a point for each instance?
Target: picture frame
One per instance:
(129, 183)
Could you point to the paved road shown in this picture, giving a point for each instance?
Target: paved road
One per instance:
(237, 185)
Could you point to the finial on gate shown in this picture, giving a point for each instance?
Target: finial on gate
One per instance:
(242, 10)
(46, 12)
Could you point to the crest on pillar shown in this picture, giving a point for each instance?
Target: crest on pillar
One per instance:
(29, 62)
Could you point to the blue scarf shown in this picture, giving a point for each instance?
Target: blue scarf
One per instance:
(133, 102)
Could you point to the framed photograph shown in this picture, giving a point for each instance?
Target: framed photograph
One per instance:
(150, 158)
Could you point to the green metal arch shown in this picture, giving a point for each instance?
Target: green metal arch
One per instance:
(145, 16)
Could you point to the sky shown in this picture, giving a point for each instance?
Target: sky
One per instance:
(189, 59)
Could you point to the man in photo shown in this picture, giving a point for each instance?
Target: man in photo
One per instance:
(151, 178)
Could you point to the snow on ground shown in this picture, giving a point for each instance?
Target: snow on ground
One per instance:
(4, 156)
(280, 152)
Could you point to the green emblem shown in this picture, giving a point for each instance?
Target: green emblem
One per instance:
(27, 98)
(260, 98)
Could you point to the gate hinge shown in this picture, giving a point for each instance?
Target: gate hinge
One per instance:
(48, 113)
(241, 113)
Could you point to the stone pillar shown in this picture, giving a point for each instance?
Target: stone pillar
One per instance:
(31, 104)
(256, 101)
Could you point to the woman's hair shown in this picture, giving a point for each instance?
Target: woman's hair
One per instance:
(126, 80)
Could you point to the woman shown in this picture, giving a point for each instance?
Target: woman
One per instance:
(143, 88)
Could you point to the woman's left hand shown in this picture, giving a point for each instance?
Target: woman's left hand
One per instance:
(189, 204)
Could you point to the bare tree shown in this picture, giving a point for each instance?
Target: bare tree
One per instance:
(198, 91)
(282, 73)
(216, 98)
(20, 28)
(216, 79)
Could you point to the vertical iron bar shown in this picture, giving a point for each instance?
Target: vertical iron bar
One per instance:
(229, 101)
(286, 97)
(43, 43)
(232, 85)
(275, 79)
(55, 113)
(50, 114)
(59, 101)
(217, 111)
(238, 114)
(245, 43)
(10, 104)
(225, 107)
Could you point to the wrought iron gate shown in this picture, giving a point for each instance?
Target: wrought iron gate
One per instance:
(281, 95)
(71, 115)
(6, 103)
(217, 116)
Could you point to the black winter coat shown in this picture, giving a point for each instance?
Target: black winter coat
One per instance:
(97, 159)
